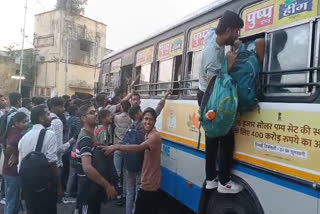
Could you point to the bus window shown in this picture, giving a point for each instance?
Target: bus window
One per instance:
(144, 71)
(286, 50)
(194, 66)
(114, 80)
(164, 75)
(177, 74)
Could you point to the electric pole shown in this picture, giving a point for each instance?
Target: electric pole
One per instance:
(22, 47)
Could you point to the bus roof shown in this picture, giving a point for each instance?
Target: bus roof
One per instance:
(204, 10)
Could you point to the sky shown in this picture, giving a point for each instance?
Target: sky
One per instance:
(127, 21)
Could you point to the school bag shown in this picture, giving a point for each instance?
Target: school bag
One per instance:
(133, 160)
(221, 97)
(245, 72)
(105, 166)
(35, 170)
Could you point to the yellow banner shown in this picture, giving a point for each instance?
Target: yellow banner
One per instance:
(273, 138)
(170, 48)
(182, 120)
(198, 35)
(145, 56)
(275, 13)
(115, 66)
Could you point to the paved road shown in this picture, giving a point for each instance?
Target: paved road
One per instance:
(108, 208)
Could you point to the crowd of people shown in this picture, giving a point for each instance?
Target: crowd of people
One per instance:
(67, 131)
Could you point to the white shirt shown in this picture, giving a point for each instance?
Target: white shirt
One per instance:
(29, 141)
(212, 59)
(57, 128)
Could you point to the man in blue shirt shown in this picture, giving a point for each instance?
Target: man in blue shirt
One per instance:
(226, 33)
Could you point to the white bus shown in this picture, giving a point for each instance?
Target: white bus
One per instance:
(277, 154)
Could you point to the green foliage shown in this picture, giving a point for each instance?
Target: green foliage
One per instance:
(72, 6)
(29, 66)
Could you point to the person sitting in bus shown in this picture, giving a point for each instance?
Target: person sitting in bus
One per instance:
(279, 42)
(225, 34)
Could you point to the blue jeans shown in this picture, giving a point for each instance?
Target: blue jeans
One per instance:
(133, 181)
(12, 189)
(118, 164)
(72, 178)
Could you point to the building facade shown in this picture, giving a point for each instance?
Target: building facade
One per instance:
(69, 47)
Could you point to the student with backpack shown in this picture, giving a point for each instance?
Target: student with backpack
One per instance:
(15, 100)
(133, 161)
(10, 172)
(56, 107)
(212, 66)
(122, 121)
(148, 198)
(91, 183)
(37, 164)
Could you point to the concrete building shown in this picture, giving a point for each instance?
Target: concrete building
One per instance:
(70, 47)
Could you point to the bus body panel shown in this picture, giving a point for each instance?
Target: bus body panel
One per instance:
(183, 170)
(276, 194)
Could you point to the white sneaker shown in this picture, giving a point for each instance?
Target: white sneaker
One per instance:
(3, 201)
(212, 184)
(230, 188)
(67, 200)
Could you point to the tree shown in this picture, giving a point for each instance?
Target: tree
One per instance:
(75, 7)
(29, 66)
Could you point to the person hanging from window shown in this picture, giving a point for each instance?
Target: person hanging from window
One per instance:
(226, 33)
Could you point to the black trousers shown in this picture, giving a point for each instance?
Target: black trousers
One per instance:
(41, 202)
(225, 153)
(87, 201)
(147, 202)
(225, 157)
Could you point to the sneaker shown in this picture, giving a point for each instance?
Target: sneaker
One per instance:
(120, 202)
(212, 184)
(3, 201)
(230, 188)
(67, 200)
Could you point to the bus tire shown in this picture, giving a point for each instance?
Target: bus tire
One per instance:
(245, 202)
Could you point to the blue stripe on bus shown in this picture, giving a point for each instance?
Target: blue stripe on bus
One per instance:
(183, 148)
(176, 186)
(290, 184)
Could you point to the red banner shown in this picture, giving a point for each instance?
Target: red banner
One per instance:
(259, 18)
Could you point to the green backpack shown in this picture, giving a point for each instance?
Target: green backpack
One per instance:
(221, 96)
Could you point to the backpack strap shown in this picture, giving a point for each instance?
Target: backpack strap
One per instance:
(40, 140)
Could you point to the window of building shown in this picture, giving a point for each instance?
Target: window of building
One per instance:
(85, 45)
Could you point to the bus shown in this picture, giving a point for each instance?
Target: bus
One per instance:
(277, 151)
